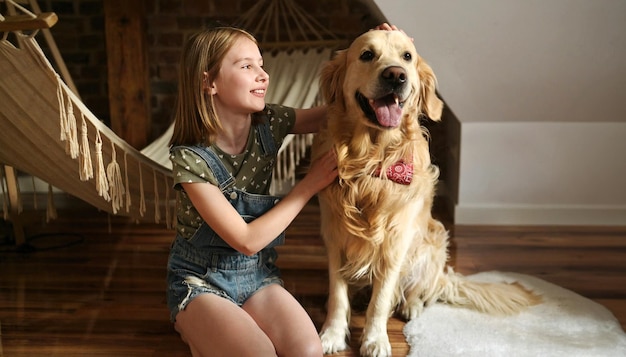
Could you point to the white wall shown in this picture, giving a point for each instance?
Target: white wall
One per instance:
(540, 90)
(542, 173)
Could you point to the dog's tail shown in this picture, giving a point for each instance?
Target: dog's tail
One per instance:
(494, 298)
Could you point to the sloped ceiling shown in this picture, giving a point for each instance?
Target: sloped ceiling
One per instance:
(520, 61)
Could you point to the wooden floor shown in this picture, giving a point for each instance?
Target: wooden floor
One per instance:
(92, 286)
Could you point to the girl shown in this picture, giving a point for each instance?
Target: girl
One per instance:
(224, 291)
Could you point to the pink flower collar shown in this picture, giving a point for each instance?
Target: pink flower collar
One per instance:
(400, 172)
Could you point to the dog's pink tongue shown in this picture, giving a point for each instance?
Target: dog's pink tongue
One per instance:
(388, 112)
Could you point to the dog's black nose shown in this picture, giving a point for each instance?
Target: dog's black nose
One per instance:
(394, 76)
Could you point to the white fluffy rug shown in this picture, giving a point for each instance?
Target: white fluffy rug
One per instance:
(565, 324)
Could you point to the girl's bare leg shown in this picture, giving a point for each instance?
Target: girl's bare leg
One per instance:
(213, 326)
(285, 321)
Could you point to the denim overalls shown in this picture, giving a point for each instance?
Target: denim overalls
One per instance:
(207, 264)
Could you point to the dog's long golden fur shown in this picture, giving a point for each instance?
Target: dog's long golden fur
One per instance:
(377, 231)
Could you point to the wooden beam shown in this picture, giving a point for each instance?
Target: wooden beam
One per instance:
(129, 91)
(25, 22)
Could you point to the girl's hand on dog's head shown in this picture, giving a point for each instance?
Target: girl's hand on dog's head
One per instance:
(387, 27)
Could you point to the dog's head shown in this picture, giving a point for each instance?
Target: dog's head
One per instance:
(382, 74)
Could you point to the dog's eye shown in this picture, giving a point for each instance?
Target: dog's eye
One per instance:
(407, 56)
(367, 56)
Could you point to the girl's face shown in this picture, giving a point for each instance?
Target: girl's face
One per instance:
(241, 83)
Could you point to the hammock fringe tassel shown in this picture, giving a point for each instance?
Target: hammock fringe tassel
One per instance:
(85, 165)
(116, 185)
(102, 185)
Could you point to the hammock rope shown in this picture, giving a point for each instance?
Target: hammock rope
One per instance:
(20, 7)
(128, 196)
(102, 184)
(116, 185)
(85, 165)
(71, 133)
(142, 196)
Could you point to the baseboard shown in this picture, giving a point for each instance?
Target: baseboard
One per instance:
(541, 215)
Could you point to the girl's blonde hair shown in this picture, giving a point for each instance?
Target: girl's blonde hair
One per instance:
(195, 119)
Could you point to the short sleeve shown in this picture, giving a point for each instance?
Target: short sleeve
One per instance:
(189, 167)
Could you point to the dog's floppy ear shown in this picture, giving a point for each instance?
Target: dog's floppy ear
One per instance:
(332, 76)
(430, 104)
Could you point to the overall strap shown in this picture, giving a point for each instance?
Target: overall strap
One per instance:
(264, 135)
(223, 177)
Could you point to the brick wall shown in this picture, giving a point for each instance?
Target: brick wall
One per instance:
(79, 34)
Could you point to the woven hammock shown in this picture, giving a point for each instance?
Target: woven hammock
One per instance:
(46, 131)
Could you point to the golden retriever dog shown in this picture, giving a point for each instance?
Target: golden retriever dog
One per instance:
(376, 219)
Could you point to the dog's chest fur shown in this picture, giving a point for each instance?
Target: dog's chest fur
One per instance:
(373, 219)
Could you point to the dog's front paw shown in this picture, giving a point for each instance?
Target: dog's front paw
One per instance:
(378, 347)
(333, 340)
(412, 310)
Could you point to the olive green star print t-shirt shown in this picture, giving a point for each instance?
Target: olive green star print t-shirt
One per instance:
(250, 172)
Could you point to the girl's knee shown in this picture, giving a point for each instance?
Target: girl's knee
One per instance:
(313, 350)
(308, 348)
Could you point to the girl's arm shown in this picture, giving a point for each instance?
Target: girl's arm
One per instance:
(249, 238)
(309, 120)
